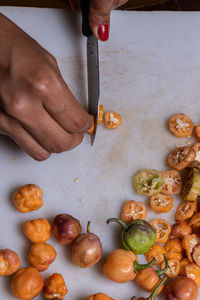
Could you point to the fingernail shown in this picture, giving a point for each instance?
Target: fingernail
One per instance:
(103, 32)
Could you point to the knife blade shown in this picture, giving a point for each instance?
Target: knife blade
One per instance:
(92, 66)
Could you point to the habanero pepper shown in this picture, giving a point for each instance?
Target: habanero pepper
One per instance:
(122, 265)
(138, 236)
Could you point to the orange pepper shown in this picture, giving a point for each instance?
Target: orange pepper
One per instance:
(92, 128)
(193, 271)
(196, 255)
(181, 157)
(185, 210)
(9, 262)
(99, 296)
(183, 263)
(156, 251)
(196, 148)
(162, 229)
(172, 182)
(181, 229)
(161, 203)
(55, 287)
(100, 115)
(173, 268)
(195, 219)
(181, 125)
(196, 228)
(112, 120)
(174, 249)
(133, 210)
(197, 132)
(189, 242)
(121, 266)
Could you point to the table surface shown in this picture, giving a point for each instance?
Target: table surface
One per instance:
(149, 69)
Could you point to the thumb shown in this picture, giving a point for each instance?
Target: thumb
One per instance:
(100, 18)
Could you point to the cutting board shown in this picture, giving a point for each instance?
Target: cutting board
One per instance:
(149, 69)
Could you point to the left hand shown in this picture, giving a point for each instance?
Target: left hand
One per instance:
(100, 15)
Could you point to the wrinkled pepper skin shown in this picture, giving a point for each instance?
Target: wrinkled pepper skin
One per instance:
(138, 236)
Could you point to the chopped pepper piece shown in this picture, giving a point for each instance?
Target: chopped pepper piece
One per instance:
(181, 157)
(174, 249)
(157, 252)
(162, 229)
(100, 115)
(173, 268)
(191, 185)
(133, 210)
(193, 271)
(161, 203)
(197, 132)
(183, 263)
(181, 125)
(172, 182)
(196, 148)
(196, 255)
(189, 242)
(185, 210)
(112, 120)
(148, 182)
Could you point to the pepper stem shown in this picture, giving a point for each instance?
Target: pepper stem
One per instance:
(88, 226)
(155, 292)
(160, 272)
(119, 221)
(138, 267)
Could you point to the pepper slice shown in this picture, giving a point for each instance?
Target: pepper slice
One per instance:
(193, 271)
(157, 252)
(100, 115)
(133, 210)
(181, 125)
(189, 242)
(181, 157)
(191, 185)
(162, 229)
(196, 148)
(173, 268)
(185, 210)
(161, 203)
(195, 219)
(197, 132)
(172, 182)
(196, 255)
(112, 120)
(174, 249)
(148, 182)
(183, 263)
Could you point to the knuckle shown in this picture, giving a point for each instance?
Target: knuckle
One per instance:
(79, 123)
(18, 106)
(62, 145)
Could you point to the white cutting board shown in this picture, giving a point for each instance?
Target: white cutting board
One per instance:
(150, 69)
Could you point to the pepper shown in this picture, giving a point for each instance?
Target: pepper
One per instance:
(181, 288)
(133, 210)
(183, 263)
(193, 271)
(161, 203)
(154, 293)
(99, 296)
(149, 278)
(122, 265)
(191, 184)
(138, 236)
(157, 252)
(189, 242)
(185, 210)
(148, 182)
(173, 269)
(162, 229)
(174, 249)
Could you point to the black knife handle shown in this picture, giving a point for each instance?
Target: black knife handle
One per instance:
(86, 30)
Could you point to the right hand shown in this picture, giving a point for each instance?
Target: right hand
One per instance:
(37, 109)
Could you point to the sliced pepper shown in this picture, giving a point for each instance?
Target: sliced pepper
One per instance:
(183, 263)
(193, 271)
(185, 210)
(133, 210)
(191, 185)
(157, 252)
(189, 242)
(162, 229)
(100, 115)
(172, 182)
(181, 157)
(112, 120)
(173, 268)
(196, 148)
(174, 249)
(181, 125)
(148, 182)
(197, 132)
(196, 255)
(195, 219)
(161, 203)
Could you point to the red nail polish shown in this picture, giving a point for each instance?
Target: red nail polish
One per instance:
(103, 32)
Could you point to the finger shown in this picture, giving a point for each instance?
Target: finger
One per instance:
(22, 138)
(48, 132)
(74, 4)
(66, 110)
(99, 16)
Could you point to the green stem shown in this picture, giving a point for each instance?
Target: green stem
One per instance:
(138, 267)
(88, 226)
(133, 298)
(119, 221)
(160, 272)
(155, 292)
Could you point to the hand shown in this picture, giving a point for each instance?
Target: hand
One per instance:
(37, 109)
(100, 15)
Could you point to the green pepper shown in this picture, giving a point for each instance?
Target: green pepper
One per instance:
(154, 293)
(148, 182)
(138, 236)
(191, 185)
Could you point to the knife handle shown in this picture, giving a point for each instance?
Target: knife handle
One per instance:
(86, 30)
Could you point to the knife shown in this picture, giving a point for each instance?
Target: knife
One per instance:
(92, 66)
